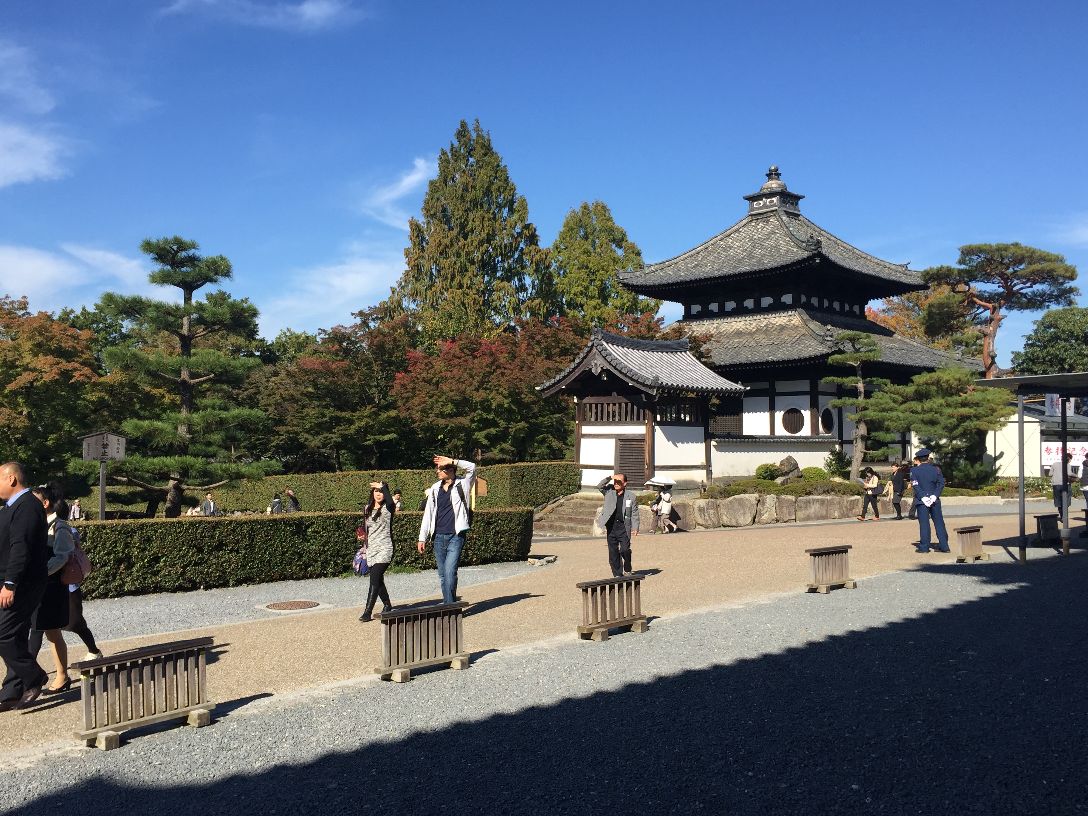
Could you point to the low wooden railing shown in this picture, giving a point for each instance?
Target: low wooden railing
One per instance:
(830, 568)
(1046, 528)
(417, 636)
(969, 540)
(144, 686)
(611, 603)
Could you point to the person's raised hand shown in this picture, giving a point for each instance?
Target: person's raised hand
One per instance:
(439, 461)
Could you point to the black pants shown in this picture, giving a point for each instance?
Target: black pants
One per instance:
(23, 671)
(77, 624)
(377, 587)
(619, 549)
(872, 499)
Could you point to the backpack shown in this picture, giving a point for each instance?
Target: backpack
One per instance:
(78, 566)
(465, 502)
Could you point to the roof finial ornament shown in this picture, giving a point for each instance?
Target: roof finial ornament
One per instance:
(774, 181)
(772, 173)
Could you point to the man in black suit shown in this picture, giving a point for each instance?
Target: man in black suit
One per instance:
(24, 556)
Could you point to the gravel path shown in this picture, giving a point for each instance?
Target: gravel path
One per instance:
(935, 690)
(114, 618)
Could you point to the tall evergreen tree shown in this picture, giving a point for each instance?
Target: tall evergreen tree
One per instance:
(474, 263)
(856, 350)
(195, 439)
(991, 280)
(1057, 345)
(587, 256)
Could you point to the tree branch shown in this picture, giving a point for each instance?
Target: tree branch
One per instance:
(138, 483)
(205, 487)
(166, 377)
(199, 380)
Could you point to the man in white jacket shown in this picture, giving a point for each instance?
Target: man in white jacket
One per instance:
(445, 516)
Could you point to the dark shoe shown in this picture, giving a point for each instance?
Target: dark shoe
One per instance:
(8, 705)
(898, 518)
(63, 687)
(366, 617)
(945, 551)
(920, 550)
(29, 697)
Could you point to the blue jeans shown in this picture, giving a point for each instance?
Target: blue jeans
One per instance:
(447, 553)
(924, 515)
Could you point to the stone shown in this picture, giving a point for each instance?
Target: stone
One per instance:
(787, 508)
(199, 717)
(767, 512)
(645, 519)
(788, 465)
(683, 515)
(738, 511)
(706, 513)
(813, 508)
(851, 506)
(886, 509)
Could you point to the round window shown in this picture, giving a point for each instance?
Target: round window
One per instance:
(793, 420)
(827, 420)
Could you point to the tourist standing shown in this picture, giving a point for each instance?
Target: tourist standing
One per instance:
(900, 480)
(208, 506)
(396, 501)
(292, 505)
(871, 482)
(1060, 480)
(445, 516)
(379, 536)
(24, 559)
(928, 483)
(76, 512)
(52, 614)
(618, 519)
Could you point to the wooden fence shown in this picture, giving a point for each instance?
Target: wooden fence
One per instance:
(830, 568)
(969, 540)
(611, 603)
(417, 636)
(144, 686)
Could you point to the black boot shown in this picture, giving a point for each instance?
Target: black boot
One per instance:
(371, 598)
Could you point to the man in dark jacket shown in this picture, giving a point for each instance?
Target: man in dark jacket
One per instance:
(24, 555)
(619, 519)
(928, 482)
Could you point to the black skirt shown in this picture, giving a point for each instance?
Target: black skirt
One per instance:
(52, 612)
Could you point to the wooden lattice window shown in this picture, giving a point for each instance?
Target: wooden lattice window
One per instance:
(827, 421)
(728, 417)
(612, 411)
(793, 420)
(680, 412)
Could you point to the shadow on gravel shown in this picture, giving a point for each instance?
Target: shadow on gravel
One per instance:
(977, 708)
(480, 607)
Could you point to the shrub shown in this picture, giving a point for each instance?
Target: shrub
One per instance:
(837, 463)
(804, 487)
(529, 484)
(814, 473)
(176, 555)
(767, 472)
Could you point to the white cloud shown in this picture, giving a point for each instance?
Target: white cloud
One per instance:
(383, 202)
(76, 276)
(301, 16)
(19, 83)
(29, 155)
(325, 296)
(1073, 231)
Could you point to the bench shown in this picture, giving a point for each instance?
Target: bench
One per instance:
(143, 686)
(830, 568)
(415, 637)
(969, 540)
(611, 603)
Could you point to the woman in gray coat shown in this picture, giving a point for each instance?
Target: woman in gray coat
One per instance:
(379, 552)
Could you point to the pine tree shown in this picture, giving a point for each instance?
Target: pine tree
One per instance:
(195, 438)
(588, 254)
(1057, 345)
(993, 279)
(474, 263)
(856, 350)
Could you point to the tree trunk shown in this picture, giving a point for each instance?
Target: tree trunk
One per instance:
(861, 432)
(185, 385)
(989, 340)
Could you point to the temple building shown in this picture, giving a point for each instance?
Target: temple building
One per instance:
(765, 299)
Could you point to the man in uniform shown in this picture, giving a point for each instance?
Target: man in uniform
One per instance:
(928, 482)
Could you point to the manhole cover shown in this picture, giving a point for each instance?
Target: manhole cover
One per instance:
(290, 606)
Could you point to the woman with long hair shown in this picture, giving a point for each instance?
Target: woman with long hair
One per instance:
(871, 482)
(51, 616)
(379, 532)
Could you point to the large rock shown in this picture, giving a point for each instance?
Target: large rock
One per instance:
(738, 511)
(788, 466)
(851, 506)
(683, 514)
(706, 512)
(645, 519)
(787, 508)
(767, 513)
(886, 509)
(813, 508)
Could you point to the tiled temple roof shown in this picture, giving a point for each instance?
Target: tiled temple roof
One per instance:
(799, 335)
(773, 235)
(655, 366)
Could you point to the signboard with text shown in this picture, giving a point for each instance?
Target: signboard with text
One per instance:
(1052, 453)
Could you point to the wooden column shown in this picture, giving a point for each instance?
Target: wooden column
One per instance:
(577, 434)
(814, 406)
(650, 407)
(770, 404)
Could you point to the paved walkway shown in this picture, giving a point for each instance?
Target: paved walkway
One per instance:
(289, 654)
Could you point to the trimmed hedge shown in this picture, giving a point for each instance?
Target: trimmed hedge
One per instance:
(176, 555)
(522, 485)
(802, 487)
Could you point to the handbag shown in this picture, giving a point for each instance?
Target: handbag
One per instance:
(78, 566)
(888, 490)
(358, 564)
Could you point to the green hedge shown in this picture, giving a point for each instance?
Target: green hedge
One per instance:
(522, 485)
(175, 555)
(802, 487)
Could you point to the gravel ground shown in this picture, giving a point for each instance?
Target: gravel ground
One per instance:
(935, 690)
(113, 618)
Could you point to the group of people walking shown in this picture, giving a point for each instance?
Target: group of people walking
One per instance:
(40, 597)
(927, 483)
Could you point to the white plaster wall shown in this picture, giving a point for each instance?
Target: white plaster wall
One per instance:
(679, 445)
(825, 402)
(591, 477)
(783, 404)
(740, 457)
(1004, 442)
(597, 451)
(613, 430)
(755, 421)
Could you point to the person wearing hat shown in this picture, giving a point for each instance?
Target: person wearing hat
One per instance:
(928, 482)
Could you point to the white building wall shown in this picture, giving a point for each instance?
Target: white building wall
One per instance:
(680, 453)
(739, 457)
(1001, 447)
(756, 421)
(613, 430)
(783, 404)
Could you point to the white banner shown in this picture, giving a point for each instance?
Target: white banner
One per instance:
(1052, 453)
(1054, 405)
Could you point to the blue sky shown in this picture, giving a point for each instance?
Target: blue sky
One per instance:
(296, 136)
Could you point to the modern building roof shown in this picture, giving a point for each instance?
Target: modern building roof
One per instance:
(1072, 384)
(772, 236)
(654, 366)
(800, 335)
